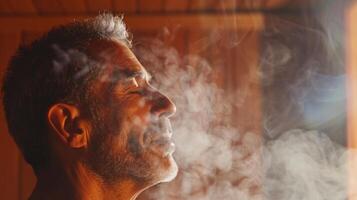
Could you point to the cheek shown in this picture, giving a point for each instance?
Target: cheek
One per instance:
(128, 121)
(138, 112)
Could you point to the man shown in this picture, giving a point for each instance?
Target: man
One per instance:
(82, 111)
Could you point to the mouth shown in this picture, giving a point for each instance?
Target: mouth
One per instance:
(160, 144)
(158, 138)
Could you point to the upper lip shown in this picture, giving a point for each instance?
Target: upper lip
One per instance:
(161, 129)
(158, 136)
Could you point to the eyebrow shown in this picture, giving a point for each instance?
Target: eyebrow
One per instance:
(131, 73)
(119, 74)
(141, 73)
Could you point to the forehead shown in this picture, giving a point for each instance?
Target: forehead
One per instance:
(116, 56)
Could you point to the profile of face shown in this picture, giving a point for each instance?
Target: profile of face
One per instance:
(131, 134)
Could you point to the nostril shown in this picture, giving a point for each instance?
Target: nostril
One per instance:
(163, 106)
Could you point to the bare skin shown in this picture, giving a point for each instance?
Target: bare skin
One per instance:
(72, 174)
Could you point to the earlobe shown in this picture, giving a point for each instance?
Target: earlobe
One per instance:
(66, 124)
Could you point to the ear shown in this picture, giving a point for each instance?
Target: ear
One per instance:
(66, 123)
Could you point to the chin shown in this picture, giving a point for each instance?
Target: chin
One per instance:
(171, 171)
(167, 172)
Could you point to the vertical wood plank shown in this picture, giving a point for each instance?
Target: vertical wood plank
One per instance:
(5, 7)
(201, 5)
(22, 7)
(9, 154)
(196, 44)
(176, 5)
(73, 6)
(351, 43)
(94, 6)
(224, 5)
(178, 39)
(150, 5)
(27, 180)
(352, 76)
(246, 79)
(125, 6)
(48, 7)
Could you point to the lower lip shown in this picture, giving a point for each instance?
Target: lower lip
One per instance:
(163, 147)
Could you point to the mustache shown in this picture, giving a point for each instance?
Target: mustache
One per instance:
(160, 125)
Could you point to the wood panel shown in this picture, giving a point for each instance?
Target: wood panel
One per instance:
(73, 6)
(17, 7)
(352, 76)
(5, 7)
(11, 7)
(248, 94)
(125, 6)
(48, 7)
(176, 5)
(234, 54)
(176, 37)
(150, 5)
(151, 22)
(225, 5)
(352, 97)
(94, 6)
(201, 4)
(9, 154)
(27, 180)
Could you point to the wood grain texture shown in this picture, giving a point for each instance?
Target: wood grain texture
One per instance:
(352, 76)
(48, 6)
(201, 4)
(150, 5)
(176, 5)
(27, 180)
(150, 22)
(9, 154)
(225, 5)
(73, 6)
(21, 7)
(5, 7)
(95, 6)
(17, 7)
(351, 43)
(125, 6)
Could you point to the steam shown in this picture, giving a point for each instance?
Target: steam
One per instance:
(300, 154)
(305, 165)
(304, 99)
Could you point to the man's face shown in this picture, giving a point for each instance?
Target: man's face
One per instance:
(131, 135)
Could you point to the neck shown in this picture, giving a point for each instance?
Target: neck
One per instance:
(79, 183)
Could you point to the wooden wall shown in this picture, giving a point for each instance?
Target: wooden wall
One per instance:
(351, 41)
(65, 7)
(9, 155)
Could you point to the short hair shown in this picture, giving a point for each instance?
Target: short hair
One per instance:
(52, 69)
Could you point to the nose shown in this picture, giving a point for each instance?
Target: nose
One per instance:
(162, 106)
